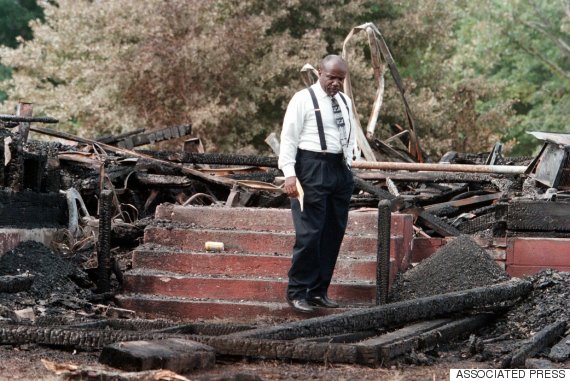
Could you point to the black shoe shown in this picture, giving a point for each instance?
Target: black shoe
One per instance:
(300, 305)
(322, 301)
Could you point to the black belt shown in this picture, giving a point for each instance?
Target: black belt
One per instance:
(301, 153)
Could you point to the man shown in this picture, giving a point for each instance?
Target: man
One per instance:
(316, 149)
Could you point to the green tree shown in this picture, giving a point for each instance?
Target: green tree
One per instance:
(14, 19)
(231, 66)
(523, 47)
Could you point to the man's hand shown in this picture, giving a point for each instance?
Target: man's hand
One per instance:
(290, 186)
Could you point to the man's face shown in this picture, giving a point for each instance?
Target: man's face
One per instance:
(331, 77)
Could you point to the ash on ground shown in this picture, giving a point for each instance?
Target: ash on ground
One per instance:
(548, 302)
(58, 287)
(459, 265)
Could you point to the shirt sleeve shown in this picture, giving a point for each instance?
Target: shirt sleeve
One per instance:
(292, 127)
(352, 140)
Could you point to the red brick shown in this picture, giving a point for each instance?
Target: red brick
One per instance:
(549, 252)
(186, 309)
(422, 248)
(241, 264)
(362, 221)
(250, 241)
(235, 289)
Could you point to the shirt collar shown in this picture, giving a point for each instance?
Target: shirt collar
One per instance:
(319, 92)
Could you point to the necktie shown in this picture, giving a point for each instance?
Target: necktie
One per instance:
(340, 123)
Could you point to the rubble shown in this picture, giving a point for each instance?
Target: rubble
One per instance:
(459, 265)
(458, 299)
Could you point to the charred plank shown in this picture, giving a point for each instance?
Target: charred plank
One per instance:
(177, 355)
(539, 216)
(395, 313)
(213, 158)
(535, 344)
(382, 348)
(32, 210)
(561, 350)
(155, 136)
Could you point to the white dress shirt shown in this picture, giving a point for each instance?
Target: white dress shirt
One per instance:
(300, 128)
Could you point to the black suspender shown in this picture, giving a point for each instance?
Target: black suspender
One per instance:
(320, 120)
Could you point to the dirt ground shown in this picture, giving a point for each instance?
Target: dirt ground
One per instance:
(25, 364)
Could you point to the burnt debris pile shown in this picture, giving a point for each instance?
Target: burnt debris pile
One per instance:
(95, 198)
(459, 265)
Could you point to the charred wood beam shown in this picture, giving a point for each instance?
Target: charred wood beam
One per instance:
(382, 348)
(383, 252)
(213, 158)
(395, 313)
(535, 344)
(432, 222)
(224, 345)
(186, 170)
(465, 201)
(374, 190)
(112, 139)
(442, 197)
(419, 336)
(155, 136)
(163, 181)
(32, 210)
(28, 119)
(453, 330)
(73, 338)
(15, 283)
(282, 349)
(501, 169)
(538, 216)
(422, 216)
(391, 152)
(344, 338)
(104, 246)
(561, 350)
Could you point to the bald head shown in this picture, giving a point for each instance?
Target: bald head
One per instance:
(332, 72)
(332, 59)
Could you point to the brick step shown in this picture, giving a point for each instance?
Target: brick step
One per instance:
(362, 221)
(234, 289)
(194, 309)
(185, 238)
(242, 264)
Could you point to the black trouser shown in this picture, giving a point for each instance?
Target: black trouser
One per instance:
(319, 228)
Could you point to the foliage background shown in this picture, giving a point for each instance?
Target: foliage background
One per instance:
(476, 72)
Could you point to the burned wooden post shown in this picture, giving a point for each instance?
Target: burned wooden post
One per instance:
(24, 109)
(16, 167)
(104, 247)
(383, 252)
